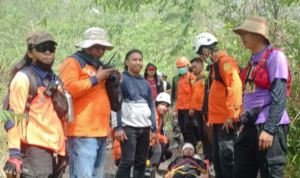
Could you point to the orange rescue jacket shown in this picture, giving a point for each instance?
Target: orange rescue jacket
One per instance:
(225, 101)
(43, 127)
(185, 92)
(198, 93)
(161, 138)
(90, 100)
(116, 153)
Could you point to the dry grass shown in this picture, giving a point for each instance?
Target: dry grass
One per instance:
(3, 150)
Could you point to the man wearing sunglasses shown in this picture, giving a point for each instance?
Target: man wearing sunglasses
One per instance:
(37, 144)
(85, 79)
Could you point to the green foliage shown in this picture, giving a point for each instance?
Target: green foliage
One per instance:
(9, 115)
(163, 30)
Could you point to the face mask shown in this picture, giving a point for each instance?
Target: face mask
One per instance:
(182, 70)
(208, 61)
(43, 66)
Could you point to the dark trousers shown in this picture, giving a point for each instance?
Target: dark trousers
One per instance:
(41, 163)
(134, 152)
(188, 127)
(159, 154)
(155, 154)
(178, 175)
(176, 130)
(166, 153)
(248, 159)
(203, 135)
(223, 151)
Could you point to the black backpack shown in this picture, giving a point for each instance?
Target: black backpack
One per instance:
(114, 92)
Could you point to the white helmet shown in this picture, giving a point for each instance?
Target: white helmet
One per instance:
(204, 39)
(163, 97)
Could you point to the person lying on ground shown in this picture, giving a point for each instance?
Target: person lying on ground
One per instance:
(186, 166)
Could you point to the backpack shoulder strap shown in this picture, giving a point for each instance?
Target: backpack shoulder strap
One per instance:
(79, 59)
(33, 87)
(217, 73)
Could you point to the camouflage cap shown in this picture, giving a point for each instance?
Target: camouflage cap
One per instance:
(39, 37)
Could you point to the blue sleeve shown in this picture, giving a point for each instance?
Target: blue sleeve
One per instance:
(151, 106)
(14, 152)
(93, 80)
(119, 120)
(278, 92)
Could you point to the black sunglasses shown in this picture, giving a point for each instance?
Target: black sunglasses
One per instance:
(42, 48)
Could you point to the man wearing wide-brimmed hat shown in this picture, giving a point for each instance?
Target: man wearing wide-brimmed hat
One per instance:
(85, 80)
(262, 143)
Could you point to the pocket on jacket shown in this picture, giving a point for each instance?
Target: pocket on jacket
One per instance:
(141, 110)
(126, 109)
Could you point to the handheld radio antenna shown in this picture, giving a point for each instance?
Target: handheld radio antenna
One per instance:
(111, 59)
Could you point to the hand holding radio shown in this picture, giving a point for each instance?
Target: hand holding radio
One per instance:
(102, 74)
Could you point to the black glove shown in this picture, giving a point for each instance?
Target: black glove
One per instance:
(12, 166)
(249, 117)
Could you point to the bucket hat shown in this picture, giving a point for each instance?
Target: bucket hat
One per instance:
(39, 37)
(93, 36)
(257, 25)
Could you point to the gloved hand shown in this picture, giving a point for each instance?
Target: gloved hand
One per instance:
(12, 167)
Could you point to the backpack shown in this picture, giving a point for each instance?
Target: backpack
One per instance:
(33, 87)
(260, 75)
(218, 77)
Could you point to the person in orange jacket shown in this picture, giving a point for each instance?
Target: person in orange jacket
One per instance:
(225, 100)
(197, 103)
(162, 104)
(85, 78)
(37, 144)
(183, 107)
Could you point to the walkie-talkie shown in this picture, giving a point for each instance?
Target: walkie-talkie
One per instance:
(52, 86)
(113, 88)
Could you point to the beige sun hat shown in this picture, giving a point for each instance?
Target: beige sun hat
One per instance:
(257, 25)
(93, 36)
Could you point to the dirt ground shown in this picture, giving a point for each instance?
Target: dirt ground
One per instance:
(110, 168)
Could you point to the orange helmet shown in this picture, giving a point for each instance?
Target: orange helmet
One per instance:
(182, 62)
